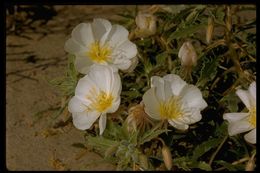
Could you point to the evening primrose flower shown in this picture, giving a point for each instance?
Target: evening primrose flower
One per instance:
(243, 122)
(96, 94)
(100, 42)
(146, 24)
(171, 98)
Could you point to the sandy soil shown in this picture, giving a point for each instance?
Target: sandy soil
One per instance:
(33, 57)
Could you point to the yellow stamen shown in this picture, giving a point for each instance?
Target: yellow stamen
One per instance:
(101, 101)
(170, 109)
(252, 116)
(99, 54)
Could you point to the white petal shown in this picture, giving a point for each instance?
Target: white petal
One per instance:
(115, 106)
(178, 125)
(84, 86)
(123, 64)
(177, 83)
(76, 105)
(73, 47)
(117, 35)
(251, 137)
(134, 63)
(162, 88)
(83, 34)
(82, 64)
(239, 127)
(193, 115)
(127, 49)
(151, 104)
(84, 120)
(102, 76)
(252, 90)
(233, 117)
(192, 96)
(245, 97)
(102, 123)
(100, 28)
(116, 85)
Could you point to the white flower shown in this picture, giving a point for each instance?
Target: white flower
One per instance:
(243, 122)
(96, 94)
(187, 54)
(146, 24)
(100, 43)
(170, 98)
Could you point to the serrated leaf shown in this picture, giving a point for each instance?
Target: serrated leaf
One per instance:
(205, 147)
(208, 70)
(185, 32)
(100, 142)
(151, 134)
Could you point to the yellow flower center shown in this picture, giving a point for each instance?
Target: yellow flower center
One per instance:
(171, 108)
(101, 101)
(99, 54)
(252, 116)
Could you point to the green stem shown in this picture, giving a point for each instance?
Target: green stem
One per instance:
(216, 152)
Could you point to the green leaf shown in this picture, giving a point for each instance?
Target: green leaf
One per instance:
(111, 150)
(114, 131)
(205, 147)
(227, 165)
(100, 142)
(201, 165)
(231, 101)
(161, 58)
(182, 163)
(186, 32)
(151, 134)
(208, 70)
(221, 131)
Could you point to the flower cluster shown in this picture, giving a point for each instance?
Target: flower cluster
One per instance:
(102, 49)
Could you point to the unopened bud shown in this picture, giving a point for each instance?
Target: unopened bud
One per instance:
(146, 25)
(210, 30)
(167, 157)
(188, 55)
(250, 166)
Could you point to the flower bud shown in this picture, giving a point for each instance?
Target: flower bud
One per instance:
(250, 166)
(146, 25)
(187, 54)
(167, 157)
(210, 30)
